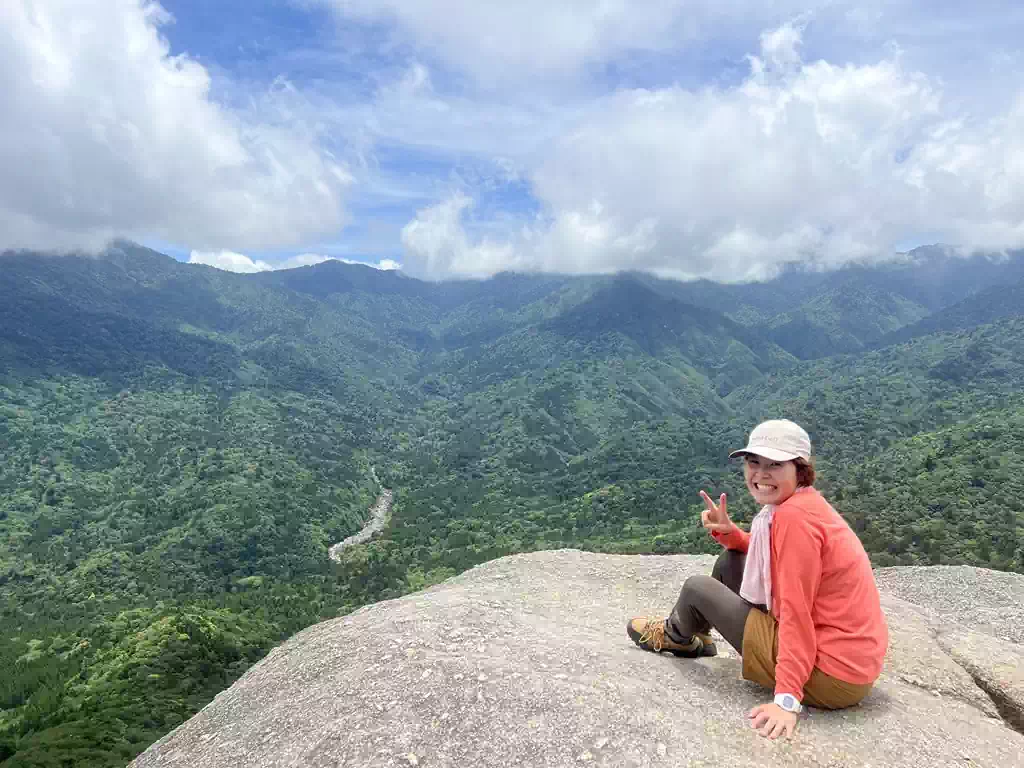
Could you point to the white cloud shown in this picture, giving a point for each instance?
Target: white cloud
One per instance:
(303, 260)
(384, 265)
(500, 41)
(828, 144)
(440, 247)
(103, 133)
(779, 47)
(308, 259)
(802, 160)
(231, 261)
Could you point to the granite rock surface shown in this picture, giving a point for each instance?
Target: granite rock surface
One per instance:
(525, 661)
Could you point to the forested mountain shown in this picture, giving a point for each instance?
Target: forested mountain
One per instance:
(985, 306)
(815, 313)
(179, 446)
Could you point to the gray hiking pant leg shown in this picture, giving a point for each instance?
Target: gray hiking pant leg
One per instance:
(712, 601)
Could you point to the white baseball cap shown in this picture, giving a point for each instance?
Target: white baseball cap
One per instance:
(777, 440)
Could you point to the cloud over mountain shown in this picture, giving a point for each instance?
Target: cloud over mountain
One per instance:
(799, 160)
(105, 132)
(464, 138)
(231, 261)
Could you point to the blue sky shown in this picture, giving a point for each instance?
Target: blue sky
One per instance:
(464, 137)
(256, 44)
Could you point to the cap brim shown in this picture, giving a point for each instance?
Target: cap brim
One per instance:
(772, 454)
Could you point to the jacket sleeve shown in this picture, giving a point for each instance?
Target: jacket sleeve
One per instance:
(737, 538)
(797, 548)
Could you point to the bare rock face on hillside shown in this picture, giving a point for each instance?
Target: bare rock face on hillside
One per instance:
(525, 661)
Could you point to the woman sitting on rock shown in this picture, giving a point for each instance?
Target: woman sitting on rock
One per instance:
(796, 596)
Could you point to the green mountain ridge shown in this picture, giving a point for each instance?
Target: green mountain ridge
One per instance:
(180, 446)
(986, 306)
(814, 313)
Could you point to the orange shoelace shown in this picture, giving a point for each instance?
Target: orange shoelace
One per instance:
(654, 631)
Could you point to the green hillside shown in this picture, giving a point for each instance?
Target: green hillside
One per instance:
(814, 313)
(951, 495)
(986, 306)
(180, 446)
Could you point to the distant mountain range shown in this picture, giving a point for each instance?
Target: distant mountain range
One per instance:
(180, 446)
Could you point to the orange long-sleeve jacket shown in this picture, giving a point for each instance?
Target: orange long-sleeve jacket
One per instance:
(824, 595)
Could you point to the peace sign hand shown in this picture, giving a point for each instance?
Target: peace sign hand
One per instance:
(715, 517)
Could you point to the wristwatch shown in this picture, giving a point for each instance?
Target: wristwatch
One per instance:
(788, 702)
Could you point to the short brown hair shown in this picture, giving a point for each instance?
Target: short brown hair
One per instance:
(805, 474)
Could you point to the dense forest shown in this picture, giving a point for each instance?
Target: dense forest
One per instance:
(180, 446)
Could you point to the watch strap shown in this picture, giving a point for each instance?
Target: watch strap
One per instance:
(788, 702)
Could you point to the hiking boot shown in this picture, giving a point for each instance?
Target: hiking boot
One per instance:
(709, 645)
(649, 634)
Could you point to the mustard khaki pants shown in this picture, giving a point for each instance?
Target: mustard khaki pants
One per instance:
(714, 601)
(761, 652)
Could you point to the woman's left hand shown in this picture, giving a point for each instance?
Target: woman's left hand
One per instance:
(772, 721)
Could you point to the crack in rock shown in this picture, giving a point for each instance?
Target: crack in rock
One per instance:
(940, 693)
(1011, 712)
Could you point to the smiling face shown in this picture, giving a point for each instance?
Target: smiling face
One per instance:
(769, 482)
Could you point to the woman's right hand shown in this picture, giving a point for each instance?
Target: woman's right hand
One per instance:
(715, 517)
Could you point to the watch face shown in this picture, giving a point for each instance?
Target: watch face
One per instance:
(788, 702)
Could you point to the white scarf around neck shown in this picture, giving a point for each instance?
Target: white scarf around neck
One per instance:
(757, 572)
